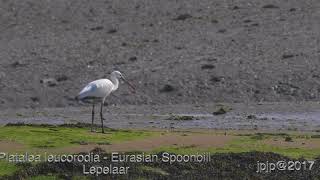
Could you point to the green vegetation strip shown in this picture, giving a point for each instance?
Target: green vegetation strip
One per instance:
(34, 137)
(7, 168)
(53, 137)
(248, 143)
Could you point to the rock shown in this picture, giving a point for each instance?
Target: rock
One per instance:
(133, 58)
(235, 7)
(208, 66)
(49, 82)
(216, 79)
(111, 31)
(286, 56)
(270, 6)
(180, 118)
(214, 21)
(288, 139)
(64, 21)
(220, 111)
(167, 88)
(222, 30)
(62, 77)
(98, 28)
(251, 116)
(34, 99)
(292, 9)
(182, 17)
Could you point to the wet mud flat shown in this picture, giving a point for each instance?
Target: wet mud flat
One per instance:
(220, 166)
(172, 51)
(303, 116)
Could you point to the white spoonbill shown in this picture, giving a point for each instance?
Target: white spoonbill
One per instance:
(97, 91)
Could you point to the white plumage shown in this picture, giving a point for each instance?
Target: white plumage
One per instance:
(98, 90)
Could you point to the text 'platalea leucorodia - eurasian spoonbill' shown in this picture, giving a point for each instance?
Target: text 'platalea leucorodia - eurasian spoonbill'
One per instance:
(97, 91)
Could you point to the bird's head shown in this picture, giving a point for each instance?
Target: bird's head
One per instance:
(118, 75)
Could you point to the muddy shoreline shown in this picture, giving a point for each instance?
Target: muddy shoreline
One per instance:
(284, 116)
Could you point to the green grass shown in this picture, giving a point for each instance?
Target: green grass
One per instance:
(35, 137)
(53, 137)
(7, 168)
(246, 144)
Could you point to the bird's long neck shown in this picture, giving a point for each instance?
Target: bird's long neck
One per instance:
(115, 82)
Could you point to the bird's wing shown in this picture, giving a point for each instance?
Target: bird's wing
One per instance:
(86, 91)
(98, 88)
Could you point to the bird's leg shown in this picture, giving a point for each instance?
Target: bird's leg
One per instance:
(101, 116)
(92, 117)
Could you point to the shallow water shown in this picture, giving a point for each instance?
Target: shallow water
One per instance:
(252, 118)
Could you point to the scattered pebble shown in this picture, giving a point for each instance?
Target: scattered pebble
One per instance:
(62, 77)
(133, 58)
(251, 116)
(207, 66)
(97, 28)
(111, 31)
(235, 7)
(288, 139)
(214, 21)
(270, 6)
(167, 88)
(180, 118)
(220, 111)
(222, 30)
(182, 17)
(292, 9)
(286, 56)
(216, 79)
(34, 99)
(49, 82)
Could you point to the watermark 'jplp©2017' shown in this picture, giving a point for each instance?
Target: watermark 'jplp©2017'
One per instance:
(268, 167)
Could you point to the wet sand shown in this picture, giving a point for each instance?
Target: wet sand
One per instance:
(304, 116)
